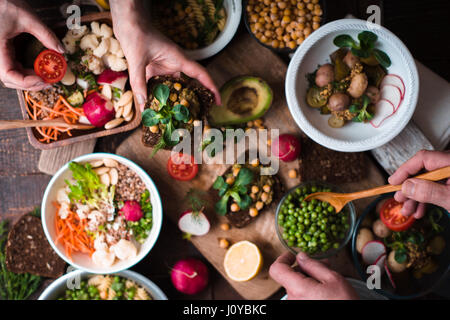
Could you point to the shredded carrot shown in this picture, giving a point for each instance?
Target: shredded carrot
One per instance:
(71, 233)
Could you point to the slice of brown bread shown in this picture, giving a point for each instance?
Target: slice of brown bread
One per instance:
(318, 163)
(28, 251)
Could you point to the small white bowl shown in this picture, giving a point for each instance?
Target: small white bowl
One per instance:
(233, 9)
(82, 261)
(59, 286)
(352, 137)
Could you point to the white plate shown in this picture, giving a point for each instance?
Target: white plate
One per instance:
(82, 261)
(353, 136)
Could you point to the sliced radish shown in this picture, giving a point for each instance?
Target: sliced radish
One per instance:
(396, 80)
(389, 274)
(372, 251)
(196, 224)
(393, 94)
(384, 109)
(380, 262)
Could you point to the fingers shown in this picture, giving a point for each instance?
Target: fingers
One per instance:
(400, 197)
(315, 268)
(408, 208)
(420, 211)
(430, 160)
(139, 85)
(427, 192)
(196, 71)
(281, 271)
(34, 26)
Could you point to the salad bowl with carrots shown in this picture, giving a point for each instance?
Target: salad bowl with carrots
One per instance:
(101, 213)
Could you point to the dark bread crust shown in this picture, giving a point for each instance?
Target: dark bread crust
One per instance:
(28, 251)
(204, 95)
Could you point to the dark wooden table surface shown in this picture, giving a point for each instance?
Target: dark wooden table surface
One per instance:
(422, 25)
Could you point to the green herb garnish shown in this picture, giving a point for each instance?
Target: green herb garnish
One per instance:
(237, 190)
(365, 48)
(362, 114)
(141, 229)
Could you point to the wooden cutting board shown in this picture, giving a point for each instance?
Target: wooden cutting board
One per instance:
(242, 57)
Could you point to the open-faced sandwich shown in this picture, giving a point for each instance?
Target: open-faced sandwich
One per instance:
(243, 193)
(173, 103)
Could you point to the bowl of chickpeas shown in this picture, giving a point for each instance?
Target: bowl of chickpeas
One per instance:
(283, 25)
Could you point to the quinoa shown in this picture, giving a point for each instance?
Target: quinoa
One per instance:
(46, 96)
(129, 185)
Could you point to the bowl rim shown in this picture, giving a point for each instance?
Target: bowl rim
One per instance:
(154, 290)
(142, 174)
(331, 252)
(225, 36)
(324, 139)
(357, 264)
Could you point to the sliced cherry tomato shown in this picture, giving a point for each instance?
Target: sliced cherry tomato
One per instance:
(182, 167)
(50, 66)
(392, 217)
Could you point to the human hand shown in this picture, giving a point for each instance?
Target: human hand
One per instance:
(149, 53)
(17, 18)
(315, 281)
(422, 191)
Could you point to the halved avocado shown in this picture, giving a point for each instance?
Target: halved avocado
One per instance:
(244, 98)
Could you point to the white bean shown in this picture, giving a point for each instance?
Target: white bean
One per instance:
(125, 98)
(101, 170)
(104, 179)
(111, 163)
(114, 176)
(96, 163)
(113, 123)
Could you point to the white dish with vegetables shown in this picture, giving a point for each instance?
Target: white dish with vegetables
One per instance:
(101, 213)
(353, 110)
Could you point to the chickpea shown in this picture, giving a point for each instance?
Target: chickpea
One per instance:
(250, 124)
(292, 44)
(264, 197)
(224, 243)
(264, 39)
(267, 2)
(292, 173)
(177, 86)
(287, 12)
(300, 5)
(230, 180)
(281, 4)
(234, 207)
(282, 45)
(274, 10)
(236, 171)
(249, 8)
(259, 205)
(316, 25)
(316, 19)
(286, 38)
(310, 6)
(258, 26)
(253, 212)
(173, 97)
(301, 19)
(184, 102)
(279, 31)
(307, 31)
(275, 43)
(306, 1)
(276, 23)
(255, 162)
(154, 129)
(225, 226)
(315, 1)
(286, 19)
(258, 122)
(255, 189)
(266, 188)
(262, 21)
(302, 13)
(253, 17)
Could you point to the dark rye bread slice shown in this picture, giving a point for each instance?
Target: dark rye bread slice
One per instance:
(318, 163)
(28, 251)
(205, 97)
(242, 218)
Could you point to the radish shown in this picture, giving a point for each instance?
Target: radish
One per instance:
(190, 276)
(372, 251)
(113, 78)
(286, 147)
(380, 262)
(131, 210)
(194, 223)
(98, 109)
(391, 279)
(393, 94)
(384, 109)
(396, 80)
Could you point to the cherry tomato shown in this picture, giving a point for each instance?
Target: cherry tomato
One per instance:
(182, 167)
(50, 66)
(393, 219)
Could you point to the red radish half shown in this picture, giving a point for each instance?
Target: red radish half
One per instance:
(372, 251)
(396, 80)
(393, 94)
(389, 274)
(132, 211)
(113, 78)
(383, 110)
(98, 109)
(286, 147)
(196, 224)
(190, 276)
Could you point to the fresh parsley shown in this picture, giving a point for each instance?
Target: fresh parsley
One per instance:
(237, 190)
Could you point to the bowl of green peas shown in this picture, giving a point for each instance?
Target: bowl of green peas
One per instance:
(313, 226)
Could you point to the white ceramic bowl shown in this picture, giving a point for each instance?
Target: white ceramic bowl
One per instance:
(82, 261)
(59, 286)
(353, 136)
(234, 11)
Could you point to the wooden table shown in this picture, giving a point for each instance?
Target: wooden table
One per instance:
(22, 185)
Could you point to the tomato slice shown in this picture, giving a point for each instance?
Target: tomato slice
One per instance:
(50, 65)
(182, 167)
(392, 217)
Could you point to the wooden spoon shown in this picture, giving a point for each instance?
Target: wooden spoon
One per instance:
(339, 200)
(58, 122)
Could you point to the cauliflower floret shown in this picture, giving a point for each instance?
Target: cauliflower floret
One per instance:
(77, 33)
(115, 63)
(61, 196)
(100, 243)
(93, 63)
(89, 41)
(114, 48)
(102, 48)
(124, 249)
(103, 258)
(95, 27)
(70, 44)
(64, 210)
(106, 31)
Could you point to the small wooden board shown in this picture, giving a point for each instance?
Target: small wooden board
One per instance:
(242, 57)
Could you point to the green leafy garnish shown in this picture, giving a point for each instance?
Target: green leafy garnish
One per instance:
(141, 229)
(362, 114)
(434, 216)
(237, 190)
(365, 48)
